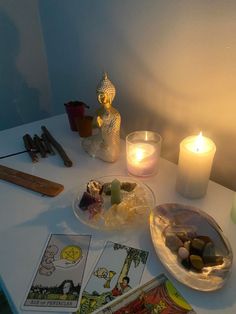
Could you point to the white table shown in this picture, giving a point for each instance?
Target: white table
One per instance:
(27, 218)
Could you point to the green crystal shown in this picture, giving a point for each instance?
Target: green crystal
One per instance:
(115, 192)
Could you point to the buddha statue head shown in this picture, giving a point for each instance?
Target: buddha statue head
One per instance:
(105, 91)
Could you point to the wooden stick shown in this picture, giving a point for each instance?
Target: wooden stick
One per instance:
(47, 144)
(43, 145)
(30, 147)
(58, 147)
(39, 146)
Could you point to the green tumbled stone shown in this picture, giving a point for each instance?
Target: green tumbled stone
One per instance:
(115, 192)
(196, 262)
(197, 246)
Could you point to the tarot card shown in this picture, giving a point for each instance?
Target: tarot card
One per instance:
(157, 296)
(57, 282)
(118, 269)
(6, 304)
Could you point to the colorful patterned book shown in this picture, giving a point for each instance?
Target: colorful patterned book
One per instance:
(156, 296)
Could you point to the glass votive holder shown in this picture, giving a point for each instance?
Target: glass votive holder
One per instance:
(75, 109)
(84, 125)
(143, 153)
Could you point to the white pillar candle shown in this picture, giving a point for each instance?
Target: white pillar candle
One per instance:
(142, 152)
(194, 167)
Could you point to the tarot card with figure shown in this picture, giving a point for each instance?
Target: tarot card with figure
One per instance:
(157, 296)
(118, 269)
(57, 282)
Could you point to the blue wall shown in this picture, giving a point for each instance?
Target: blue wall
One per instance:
(24, 85)
(81, 43)
(84, 38)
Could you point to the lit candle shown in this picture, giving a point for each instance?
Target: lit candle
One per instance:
(194, 167)
(142, 152)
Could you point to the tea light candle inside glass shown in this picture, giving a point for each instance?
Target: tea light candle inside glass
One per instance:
(194, 167)
(143, 152)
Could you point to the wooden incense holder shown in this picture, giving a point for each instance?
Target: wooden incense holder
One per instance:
(31, 182)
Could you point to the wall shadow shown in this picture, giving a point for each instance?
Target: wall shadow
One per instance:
(19, 102)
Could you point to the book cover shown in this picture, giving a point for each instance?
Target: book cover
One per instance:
(156, 296)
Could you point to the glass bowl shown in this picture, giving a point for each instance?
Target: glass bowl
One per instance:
(133, 210)
(168, 218)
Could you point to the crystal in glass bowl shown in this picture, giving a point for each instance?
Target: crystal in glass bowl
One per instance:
(133, 210)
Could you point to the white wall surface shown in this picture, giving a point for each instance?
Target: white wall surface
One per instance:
(173, 63)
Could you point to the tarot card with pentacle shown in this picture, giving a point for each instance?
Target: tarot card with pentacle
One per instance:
(57, 281)
(117, 271)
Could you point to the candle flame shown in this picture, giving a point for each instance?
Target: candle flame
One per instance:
(199, 142)
(139, 154)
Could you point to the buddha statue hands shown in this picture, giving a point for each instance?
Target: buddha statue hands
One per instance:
(99, 121)
(106, 144)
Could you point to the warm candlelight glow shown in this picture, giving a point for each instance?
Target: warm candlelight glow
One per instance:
(199, 142)
(141, 158)
(139, 154)
(194, 167)
(142, 152)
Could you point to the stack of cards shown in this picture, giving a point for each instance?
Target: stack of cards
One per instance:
(113, 280)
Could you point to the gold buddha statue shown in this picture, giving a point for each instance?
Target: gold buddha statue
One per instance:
(106, 144)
